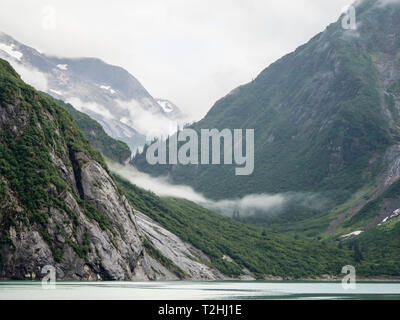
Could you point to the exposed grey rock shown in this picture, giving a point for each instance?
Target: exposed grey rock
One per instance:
(86, 229)
(392, 159)
(182, 254)
(14, 117)
(112, 255)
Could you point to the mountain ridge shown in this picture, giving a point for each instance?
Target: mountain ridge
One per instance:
(325, 119)
(61, 207)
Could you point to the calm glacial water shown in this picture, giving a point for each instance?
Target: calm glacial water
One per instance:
(188, 290)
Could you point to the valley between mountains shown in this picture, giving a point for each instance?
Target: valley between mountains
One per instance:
(327, 140)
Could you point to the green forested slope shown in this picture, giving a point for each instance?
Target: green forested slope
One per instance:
(29, 178)
(261, 252)
(324, 116)
(316, 113)
(27, 171)
(376, 253)
(98, 138)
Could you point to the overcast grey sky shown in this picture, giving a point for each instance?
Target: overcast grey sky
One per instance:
(192, 52)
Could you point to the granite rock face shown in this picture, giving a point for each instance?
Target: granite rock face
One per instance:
(184, 255)
(73, 217)
(116, 253)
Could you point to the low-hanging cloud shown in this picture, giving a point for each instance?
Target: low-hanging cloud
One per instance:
(249, 205)
(31, 76)
(147, 121)
(267, 204)
(89, 107)
(191, 52)
(159, 186)
(135, 114)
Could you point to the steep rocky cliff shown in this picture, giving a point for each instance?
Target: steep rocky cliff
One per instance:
(60, 207)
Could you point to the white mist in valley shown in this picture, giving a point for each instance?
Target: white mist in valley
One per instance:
(160, 186)
(249, 205)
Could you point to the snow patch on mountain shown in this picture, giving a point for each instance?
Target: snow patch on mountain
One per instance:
(394, 215)
(62, 66)
(9, 49)
(351, 235)
(166, 105)
(109, 94)
(56, 92)
(108, 88)
(172, 111)
(150, 124)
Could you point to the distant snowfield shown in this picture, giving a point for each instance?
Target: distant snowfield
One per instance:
(124, 117)
(9, 49)
(62, 66)
(165, 105)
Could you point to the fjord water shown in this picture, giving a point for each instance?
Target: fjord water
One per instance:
(189, 290)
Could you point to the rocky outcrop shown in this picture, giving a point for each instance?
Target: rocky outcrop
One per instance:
(392, 161)
(62, 208)
(90, 252)
(184, 255)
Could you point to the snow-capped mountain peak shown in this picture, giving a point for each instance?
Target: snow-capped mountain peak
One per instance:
(167, 106)
(107, 93)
